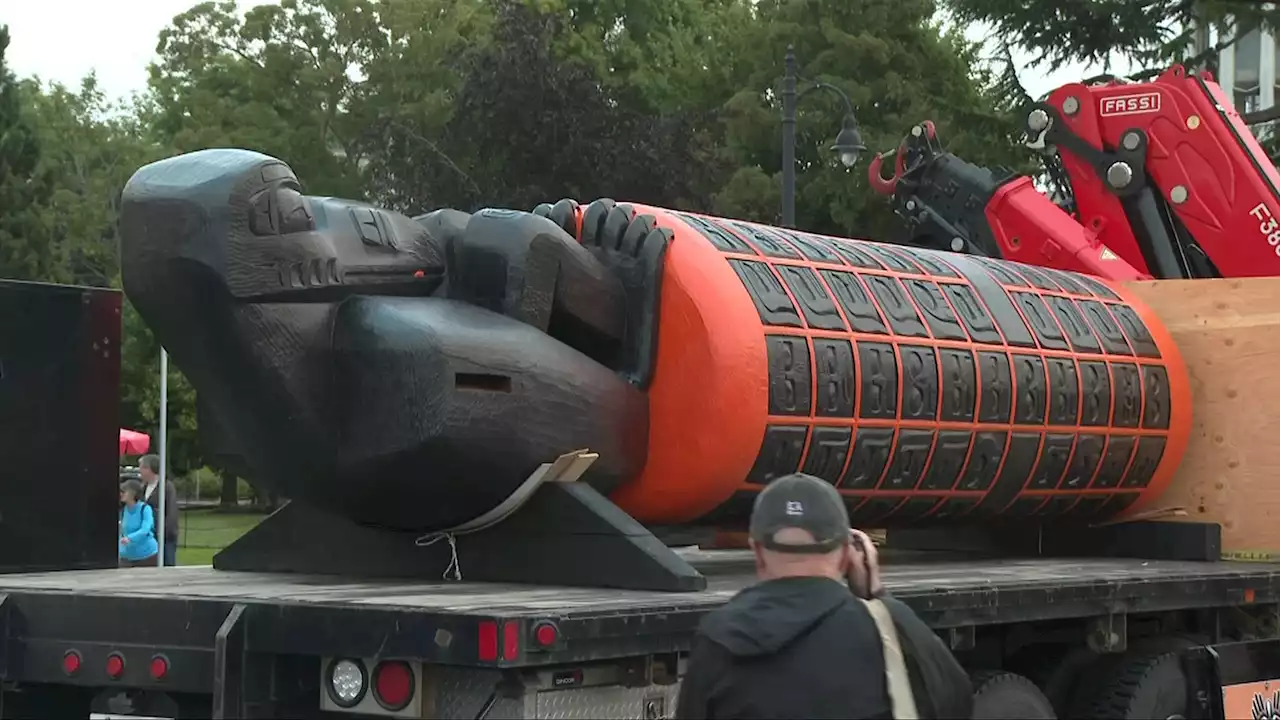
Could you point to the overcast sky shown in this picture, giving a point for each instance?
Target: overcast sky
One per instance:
(63, 40)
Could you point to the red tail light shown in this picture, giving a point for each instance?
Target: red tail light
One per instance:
(393, 684)
(71, 662)
(115, 666)
(511, 640)
(488, 650)
(159, 667)
(546, 634)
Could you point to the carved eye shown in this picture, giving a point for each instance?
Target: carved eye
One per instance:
(280, 211)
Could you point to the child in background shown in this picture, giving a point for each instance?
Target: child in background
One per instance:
(138, 547)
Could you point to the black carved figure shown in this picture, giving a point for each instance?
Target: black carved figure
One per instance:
(406, 373)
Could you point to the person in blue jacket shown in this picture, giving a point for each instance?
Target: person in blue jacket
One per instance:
(138, 547)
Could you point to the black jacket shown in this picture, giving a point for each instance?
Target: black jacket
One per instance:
(789, 648)
(171, 510)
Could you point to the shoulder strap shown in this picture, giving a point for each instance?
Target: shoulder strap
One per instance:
(895, 665)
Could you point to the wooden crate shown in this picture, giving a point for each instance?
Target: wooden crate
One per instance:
(1229, 334)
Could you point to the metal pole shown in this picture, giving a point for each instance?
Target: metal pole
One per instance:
(164, 449)
(789, 141)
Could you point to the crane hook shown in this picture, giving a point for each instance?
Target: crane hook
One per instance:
(887, 185)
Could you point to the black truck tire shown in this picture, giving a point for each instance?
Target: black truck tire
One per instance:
(1151, 686)
(1001, 695)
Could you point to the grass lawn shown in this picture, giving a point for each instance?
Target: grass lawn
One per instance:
(206, 531)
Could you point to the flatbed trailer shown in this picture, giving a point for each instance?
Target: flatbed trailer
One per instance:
(200, 642)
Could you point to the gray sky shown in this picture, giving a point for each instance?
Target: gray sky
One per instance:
(63, 40)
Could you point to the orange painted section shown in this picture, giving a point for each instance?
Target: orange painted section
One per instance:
(710, 413)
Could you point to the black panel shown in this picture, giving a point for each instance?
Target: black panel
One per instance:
(779, 453)
(879, 396)
(1032, 389)
(1054, 454)
(1115, 461)
(1037, 277)
(763, 239)
(766, 292)
(919, 383)
(837, 380)
(1073, 324)
(1095, 387)
(1046, 328)
(1025, 506)
(1106, 328)
(997, 388)
(1155, 397)
(1097, 288)
(1089, 506)
(1127, 386)
(1066, 281)
(862, 313)
(1119, 503)
(722, 239)
(1064, 391)
(948, 460)
(819, 309)
(59, 427)
(877, 508)
(896, 305)
(890, 259)
(855, 255)
(1145, 460)
(871, 452)
(937, 313)
(1084, 462)
(984, 461)
(1139, 336)
(977, 322)
(812, 247)
(954, 507)
(790, 382)
(910, 456)
(828, 449)
(959, 385)
(1057, 506)
(981, 275)
(933, 264)
(914, 509)
(1003, 273)
(1024, 450)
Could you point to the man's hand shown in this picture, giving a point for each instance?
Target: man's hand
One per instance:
(864, 566)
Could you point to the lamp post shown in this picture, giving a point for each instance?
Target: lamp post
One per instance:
(848, 144)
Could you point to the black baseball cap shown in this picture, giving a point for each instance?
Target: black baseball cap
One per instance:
(803, 502)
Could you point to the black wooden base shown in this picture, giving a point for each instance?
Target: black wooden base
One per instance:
(1155, 540)
(566, 534)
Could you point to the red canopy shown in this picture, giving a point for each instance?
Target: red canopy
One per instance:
(133, 442)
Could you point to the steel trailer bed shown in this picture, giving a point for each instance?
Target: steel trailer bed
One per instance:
(211, 625)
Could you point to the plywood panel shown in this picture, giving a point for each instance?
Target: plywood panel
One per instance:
(1229, 335)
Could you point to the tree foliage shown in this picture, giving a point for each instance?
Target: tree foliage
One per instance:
(419, 104)
(23, 254)
(897, 65)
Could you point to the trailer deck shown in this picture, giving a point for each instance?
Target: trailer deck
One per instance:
(933, 583)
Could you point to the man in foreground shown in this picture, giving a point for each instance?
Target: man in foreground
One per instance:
(799, 644)
(149, 471)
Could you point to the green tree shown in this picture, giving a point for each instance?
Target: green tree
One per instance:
(532, 122)
(897, 65)
(25, 253)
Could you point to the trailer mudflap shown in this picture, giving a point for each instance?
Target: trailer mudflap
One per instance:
(1233, 681)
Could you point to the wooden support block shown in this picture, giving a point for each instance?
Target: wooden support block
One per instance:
(1229, 334)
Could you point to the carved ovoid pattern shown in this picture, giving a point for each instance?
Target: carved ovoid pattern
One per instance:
(931, 386)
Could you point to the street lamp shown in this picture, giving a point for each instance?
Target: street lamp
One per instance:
(848, 144)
